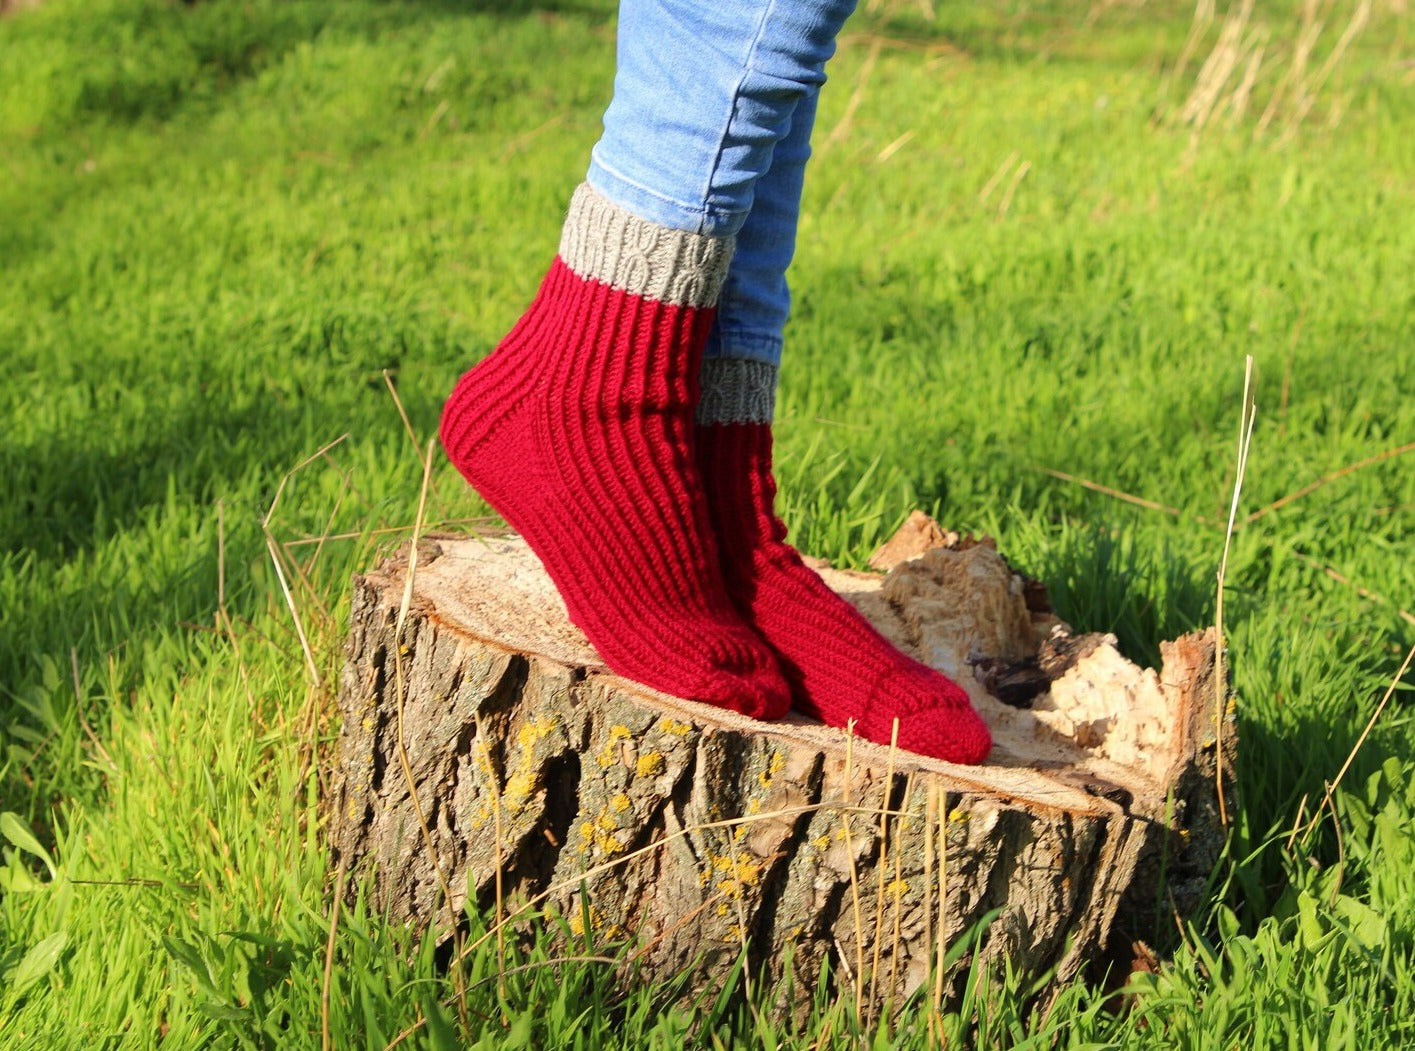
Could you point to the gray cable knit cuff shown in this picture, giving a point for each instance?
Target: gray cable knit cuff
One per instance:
(737, 390)
(602, 242)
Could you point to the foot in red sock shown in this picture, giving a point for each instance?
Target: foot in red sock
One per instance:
(839, 667)
(579, 430)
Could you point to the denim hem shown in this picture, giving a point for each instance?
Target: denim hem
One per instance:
(646, 204)
(765, 347)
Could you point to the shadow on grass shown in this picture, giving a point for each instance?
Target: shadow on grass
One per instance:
(111, 541)
(73, 494)
(144, 61)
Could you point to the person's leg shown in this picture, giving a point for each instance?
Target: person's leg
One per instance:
(755, 301)
(838, 666)
(704, 91)
(579, 428)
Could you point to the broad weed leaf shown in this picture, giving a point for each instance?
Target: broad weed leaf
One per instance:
(16, 878)
(36, 963)
(13, 828)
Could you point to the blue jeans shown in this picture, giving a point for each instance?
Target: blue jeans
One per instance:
(709, 131)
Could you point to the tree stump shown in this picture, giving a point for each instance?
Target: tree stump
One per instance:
(485, 751)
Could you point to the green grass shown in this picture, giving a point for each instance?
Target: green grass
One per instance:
(221, 224)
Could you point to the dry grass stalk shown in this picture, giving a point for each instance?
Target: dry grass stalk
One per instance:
(894, 147)
(1245, 438)
(896, 934)
(326, 984)
(841, 131)
(997, 177)
(400, 694)
(518, 144)
(1231, 49)
(1262, 512)
(424, 460)
(275, 557)
(888, 7)
(1138, 501)
(736, 899)
(941, 942)
(1307, 36)
(1327, 479)
(1006, 203)
(880, 868)
(500, 903)
(1230, 75)
(1365, 593)
(437, 114)
(1242, 95)
(1308, 90)
(1198, 28)
(1327, 804)
(1370, 725)
(363, 534)
(290, 569)
(854, 875)
(711, 901)
(935, 49)
(931, 806)
(403, 415)
(273, 546)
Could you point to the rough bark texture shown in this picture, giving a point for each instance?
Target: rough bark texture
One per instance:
(527, 773)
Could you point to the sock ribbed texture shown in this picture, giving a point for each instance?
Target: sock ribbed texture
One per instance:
(839, 667)
(578, 429)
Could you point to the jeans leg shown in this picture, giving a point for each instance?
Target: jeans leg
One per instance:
(703, 93)
(755, 300)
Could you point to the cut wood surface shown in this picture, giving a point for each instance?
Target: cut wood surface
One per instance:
(485, 749)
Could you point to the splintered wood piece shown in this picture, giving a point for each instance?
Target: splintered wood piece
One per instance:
(524, 769)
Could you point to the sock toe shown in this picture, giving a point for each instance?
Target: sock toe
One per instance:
(840, 667)
(936, 718)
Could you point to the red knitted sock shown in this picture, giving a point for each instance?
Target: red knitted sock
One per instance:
(839, 667)
(578, 429)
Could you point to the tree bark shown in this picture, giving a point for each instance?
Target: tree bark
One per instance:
(483, 746)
